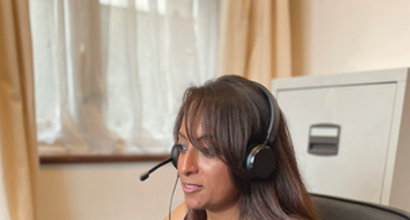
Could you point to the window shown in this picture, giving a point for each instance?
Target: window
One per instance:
(109, 75)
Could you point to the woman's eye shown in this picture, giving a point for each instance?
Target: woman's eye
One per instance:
(208, 152)
(182, 147)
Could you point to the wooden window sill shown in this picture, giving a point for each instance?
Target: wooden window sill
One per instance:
(99, 159)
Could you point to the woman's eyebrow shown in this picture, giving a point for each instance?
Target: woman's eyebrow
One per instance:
(205, 136)
(181, 135)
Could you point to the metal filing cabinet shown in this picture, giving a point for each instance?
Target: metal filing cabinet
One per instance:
(351, 133)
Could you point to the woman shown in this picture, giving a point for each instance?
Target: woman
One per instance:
(216, 131)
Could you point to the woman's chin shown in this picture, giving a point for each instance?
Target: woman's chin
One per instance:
(194, 204)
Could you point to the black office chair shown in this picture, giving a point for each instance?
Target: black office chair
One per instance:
(332, 208)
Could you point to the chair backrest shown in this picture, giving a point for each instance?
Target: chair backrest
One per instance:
(332, 208)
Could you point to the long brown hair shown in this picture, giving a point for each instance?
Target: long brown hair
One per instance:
(235, 114)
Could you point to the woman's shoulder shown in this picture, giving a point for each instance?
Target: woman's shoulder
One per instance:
(178, 213)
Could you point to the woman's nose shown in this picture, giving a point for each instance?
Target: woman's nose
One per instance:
(188, 162)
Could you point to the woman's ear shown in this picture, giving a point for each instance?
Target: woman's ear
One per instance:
(178, 213)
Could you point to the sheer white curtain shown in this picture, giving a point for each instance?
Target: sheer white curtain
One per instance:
(110, 74)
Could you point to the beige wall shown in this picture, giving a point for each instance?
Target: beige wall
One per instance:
(105, 192)
(342, 36)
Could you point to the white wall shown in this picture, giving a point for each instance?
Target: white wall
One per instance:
(105, 192)
(342, 36)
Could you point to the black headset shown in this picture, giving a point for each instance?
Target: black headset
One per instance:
(260, 161)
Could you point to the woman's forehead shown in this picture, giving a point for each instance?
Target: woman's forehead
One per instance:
(197, 128)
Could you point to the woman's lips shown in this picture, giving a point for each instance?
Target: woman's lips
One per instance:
(191, 188)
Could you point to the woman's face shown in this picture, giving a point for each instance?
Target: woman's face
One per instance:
(204, 177)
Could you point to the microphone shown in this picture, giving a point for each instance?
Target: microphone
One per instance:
(145, 175)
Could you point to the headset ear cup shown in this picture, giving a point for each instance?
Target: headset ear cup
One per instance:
(175, 155)
(261, 161)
